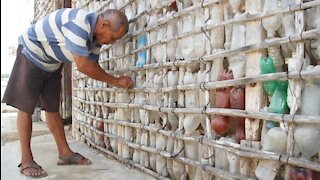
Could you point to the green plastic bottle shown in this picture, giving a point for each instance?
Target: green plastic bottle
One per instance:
(278, 102)
(267, 66)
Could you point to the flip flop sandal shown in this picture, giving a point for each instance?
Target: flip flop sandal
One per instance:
(74, 159)
(39, 173)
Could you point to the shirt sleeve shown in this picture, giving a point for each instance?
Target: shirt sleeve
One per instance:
(76, 35)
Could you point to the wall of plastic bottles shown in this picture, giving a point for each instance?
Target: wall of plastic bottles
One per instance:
(224, 89)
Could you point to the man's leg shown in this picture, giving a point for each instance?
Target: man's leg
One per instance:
(55, 124)
(24, 125)
(28, 166)
(66, 156)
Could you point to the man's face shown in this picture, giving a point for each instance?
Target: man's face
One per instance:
(109, 36)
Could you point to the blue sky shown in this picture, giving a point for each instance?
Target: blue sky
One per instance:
(16, 16)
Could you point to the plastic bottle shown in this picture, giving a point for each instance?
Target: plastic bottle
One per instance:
(267, 66)
(278, 102)
(142, 55)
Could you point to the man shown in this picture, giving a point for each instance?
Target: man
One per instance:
(63, 36)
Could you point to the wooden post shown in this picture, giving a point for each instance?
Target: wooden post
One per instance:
(73, 123)
(254, 92)
(67, 4)
(66, 94)
(298, 62)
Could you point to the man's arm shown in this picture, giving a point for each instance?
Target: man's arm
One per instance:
(93, 70)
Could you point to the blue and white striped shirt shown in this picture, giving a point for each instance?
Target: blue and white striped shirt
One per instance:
(51, 41)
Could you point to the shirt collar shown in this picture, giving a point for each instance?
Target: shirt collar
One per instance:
(93, 17)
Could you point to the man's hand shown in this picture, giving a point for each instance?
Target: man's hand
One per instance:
(93, 70)
(124, 81)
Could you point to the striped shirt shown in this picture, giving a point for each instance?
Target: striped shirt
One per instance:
(51, 41)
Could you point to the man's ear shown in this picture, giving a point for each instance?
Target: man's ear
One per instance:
(106, 23)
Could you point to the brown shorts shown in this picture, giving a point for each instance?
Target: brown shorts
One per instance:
(30, 86)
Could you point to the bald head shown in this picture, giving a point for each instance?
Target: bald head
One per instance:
(117, 19)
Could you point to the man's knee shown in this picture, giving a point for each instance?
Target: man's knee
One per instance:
(54, 116)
